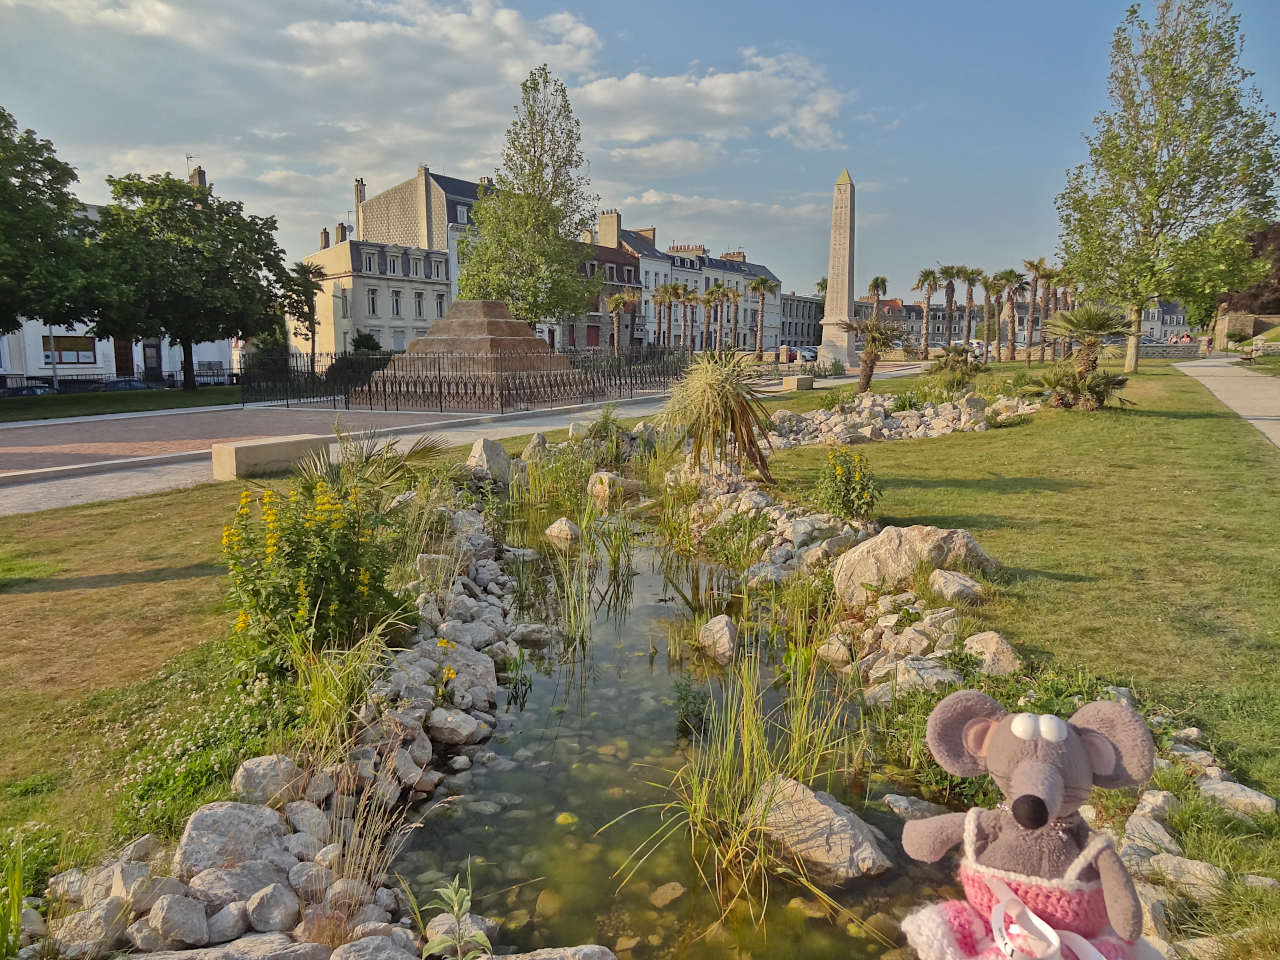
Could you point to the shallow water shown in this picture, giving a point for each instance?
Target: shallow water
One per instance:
(593, 736)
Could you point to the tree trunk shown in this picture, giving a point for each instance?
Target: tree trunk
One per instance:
(667, 340)
(1011, 317)
(968, 313)
(1031, 315)
(760, 331)
(719, 325)
(924, 326)
(1135, 335)
(616, 316)
(684, 326)
(188, 365)
(998, 320)
(312, 328)
(986, 326)
(866, 367)
(734, 328)
(706, 327)
(1044, 319)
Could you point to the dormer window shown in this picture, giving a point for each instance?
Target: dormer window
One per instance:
(627, 273)
(417, 266)
(393, 264)
(370, 261)
(610, 271)
(462, 213)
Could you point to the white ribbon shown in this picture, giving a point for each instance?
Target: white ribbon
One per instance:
(1032, 931)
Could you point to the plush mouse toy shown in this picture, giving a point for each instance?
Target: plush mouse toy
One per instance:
(1038, 882)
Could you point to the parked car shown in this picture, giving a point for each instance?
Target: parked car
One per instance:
(808, 354)
(121, 383)
(30, 390)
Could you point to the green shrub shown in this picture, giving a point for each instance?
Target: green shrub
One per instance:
(931, 390)
(838, 395)
(846, 486)
(317, 560)
(730, 543)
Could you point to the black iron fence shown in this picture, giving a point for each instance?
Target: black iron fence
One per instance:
(19, 383)
(497, 382)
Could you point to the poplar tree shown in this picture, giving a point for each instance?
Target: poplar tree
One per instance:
(1181, 167)
(525, 247)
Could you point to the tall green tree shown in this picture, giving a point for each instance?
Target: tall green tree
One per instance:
(298, 291)
(524, 247)
(1181, 167)
(184, 264)
(47, 268)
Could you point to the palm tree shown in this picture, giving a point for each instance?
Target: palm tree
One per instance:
(734, 296)
(615, 305)
(970, 277)
(1090, 325)
(822, 290)
(716, 293)
(1015, 286)
(1048, 277)
(762, 287)
(659, 299)
(299, 290)
(988, 286)
(1037, 269)
(688, 298)
(876, 289)
(949, 274)
(928, 281)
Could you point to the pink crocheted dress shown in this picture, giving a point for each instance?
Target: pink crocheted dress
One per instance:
(961, 929)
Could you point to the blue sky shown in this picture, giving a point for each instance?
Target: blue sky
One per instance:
(720, 123)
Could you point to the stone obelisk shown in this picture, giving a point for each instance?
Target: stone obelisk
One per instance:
(838, 343)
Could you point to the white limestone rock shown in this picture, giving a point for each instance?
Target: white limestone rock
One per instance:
(223, 833)
(718, 638)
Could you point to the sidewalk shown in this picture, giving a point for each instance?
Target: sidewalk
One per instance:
(130, 480)
(1254, 396)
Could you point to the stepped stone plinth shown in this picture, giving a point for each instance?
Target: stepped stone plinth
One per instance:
(485, 332)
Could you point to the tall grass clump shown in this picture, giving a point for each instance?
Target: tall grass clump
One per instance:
(11, 900)
(721, 412)
(719, 799)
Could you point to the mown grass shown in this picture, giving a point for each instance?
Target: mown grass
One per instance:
(1269, 364)
(124, 401)
(1138, 543)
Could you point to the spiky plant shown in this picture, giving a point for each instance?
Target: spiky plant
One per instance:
(1090, 325)
(721, 412)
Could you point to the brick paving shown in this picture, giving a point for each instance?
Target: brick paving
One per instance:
(118, 438)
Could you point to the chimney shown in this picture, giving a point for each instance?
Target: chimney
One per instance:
(197, 178)
(739, 256)
(486, 182)
(324, 238)
(359, 199)
(651, 233)
(342, 232)
(586, 236)
(610, 228)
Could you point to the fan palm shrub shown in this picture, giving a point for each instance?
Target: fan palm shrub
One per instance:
(1068, 388)
(1090, 325)
(721, 412)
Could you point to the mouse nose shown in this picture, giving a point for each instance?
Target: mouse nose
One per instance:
(1030, 812)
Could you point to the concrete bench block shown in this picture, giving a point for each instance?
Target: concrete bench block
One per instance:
(251, 458)
(790, 384)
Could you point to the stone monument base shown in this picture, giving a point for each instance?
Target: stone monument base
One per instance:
(485, 333)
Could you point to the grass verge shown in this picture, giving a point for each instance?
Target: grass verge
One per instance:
(124, 401)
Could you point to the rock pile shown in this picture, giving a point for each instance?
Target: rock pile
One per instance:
(286, 865)
(868, 418)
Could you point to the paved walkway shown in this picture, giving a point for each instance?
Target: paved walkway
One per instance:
(135, 480)
(1254, 396)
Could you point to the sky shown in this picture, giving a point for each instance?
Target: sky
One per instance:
(724, 123)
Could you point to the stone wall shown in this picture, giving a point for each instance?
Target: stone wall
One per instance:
(1169, 351)
(1248, 324)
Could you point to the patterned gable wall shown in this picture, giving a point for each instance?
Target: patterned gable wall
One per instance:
(392, 216)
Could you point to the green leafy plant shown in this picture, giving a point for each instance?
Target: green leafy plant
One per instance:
(846, 486)
(733, 542)
(316, 559)
(462, 941)
(1067, 388)
(931, 390)
(720, 410)
(1091, 325)
(692, 704)
(11, 902)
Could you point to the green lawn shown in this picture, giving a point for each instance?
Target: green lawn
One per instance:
(1138, 542)
(123, 401)
(1268, 364)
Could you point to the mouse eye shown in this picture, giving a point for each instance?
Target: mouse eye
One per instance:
(1024, 726)
(1053, 729)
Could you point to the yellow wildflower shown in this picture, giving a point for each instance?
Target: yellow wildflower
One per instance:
(242, 622)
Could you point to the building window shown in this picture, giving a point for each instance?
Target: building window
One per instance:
(393, 263)
(70, 350)
(593, 336)
(646, 279)
(439, 304)
(345, 307)
(419, 332)
(373, 302)
(376, 333)
(462, 213)
(397, 340)
(610, 271)
(419, 304)
(417, 267)
(435, 269)
(395, 303)
(627, 273)
(370, 262)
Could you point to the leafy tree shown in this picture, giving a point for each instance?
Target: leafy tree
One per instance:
(1181, 167)
(46, 267)
(365, 342)
(299, 289)
(1264, 296)
(525, 248)
(185, 264)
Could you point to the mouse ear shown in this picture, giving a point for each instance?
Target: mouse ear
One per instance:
(1118, 743)
(958, 729)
